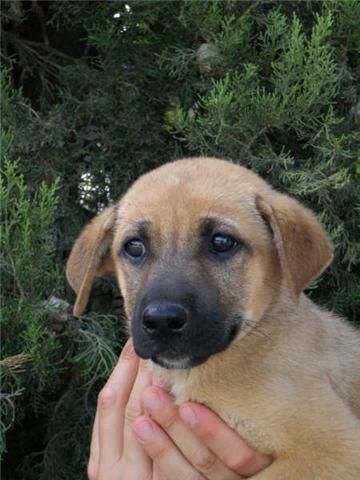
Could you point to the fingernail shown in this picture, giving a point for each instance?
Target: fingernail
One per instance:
(188, 415)
(144, 431)
(128, 352)
(152, 401)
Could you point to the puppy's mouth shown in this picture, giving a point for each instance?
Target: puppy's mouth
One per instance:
(180, 363)
(178, 359)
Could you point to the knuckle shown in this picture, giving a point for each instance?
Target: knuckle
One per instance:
(204, 460)
(169, 420)
(101, 396)
(242, 462)
(105, 398)
(132, 412)
(207, 430)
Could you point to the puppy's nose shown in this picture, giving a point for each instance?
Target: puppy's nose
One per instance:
(164, 318)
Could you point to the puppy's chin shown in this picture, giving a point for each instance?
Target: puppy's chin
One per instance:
(179, 360)
(178, 363)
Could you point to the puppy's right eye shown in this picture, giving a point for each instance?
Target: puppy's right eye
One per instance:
(135, 249)
(221, 243)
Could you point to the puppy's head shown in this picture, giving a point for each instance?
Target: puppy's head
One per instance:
(202, 249)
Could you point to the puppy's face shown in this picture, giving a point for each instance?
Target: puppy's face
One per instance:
(195, 263)
(202, 250)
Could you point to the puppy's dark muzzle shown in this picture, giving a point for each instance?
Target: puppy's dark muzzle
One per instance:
(164, 319)
(178, 325)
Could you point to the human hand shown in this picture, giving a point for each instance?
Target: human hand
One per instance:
(167, 443)
(115, 454)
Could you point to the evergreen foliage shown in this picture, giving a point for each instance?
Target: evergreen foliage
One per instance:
(51, 363)
(96, 93)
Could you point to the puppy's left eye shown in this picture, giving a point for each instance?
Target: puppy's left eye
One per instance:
(223, 243)
(135, 248)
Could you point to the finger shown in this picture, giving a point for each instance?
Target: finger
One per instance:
(93, 463)
(163, 410)
(233, 451)
(94, 445)
(134, 406)
(123, 376)
(107, 438)
(163, 452)
(121, 380)
(134, 454)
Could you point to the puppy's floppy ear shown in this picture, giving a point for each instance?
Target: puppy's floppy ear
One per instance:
(304, 248)
(91, 257)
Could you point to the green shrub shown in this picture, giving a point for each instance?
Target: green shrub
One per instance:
(51, 364)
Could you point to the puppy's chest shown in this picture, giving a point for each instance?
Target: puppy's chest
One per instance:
(238, 407)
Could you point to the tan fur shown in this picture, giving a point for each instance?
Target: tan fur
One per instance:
(290, 381)
(90, 257)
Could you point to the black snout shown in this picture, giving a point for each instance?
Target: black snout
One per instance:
(179, 325)
(161, 319)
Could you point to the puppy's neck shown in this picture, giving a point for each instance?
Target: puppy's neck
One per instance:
(243, 361)
(232, 365)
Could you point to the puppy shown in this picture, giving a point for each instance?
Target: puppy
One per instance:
(211, 263)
